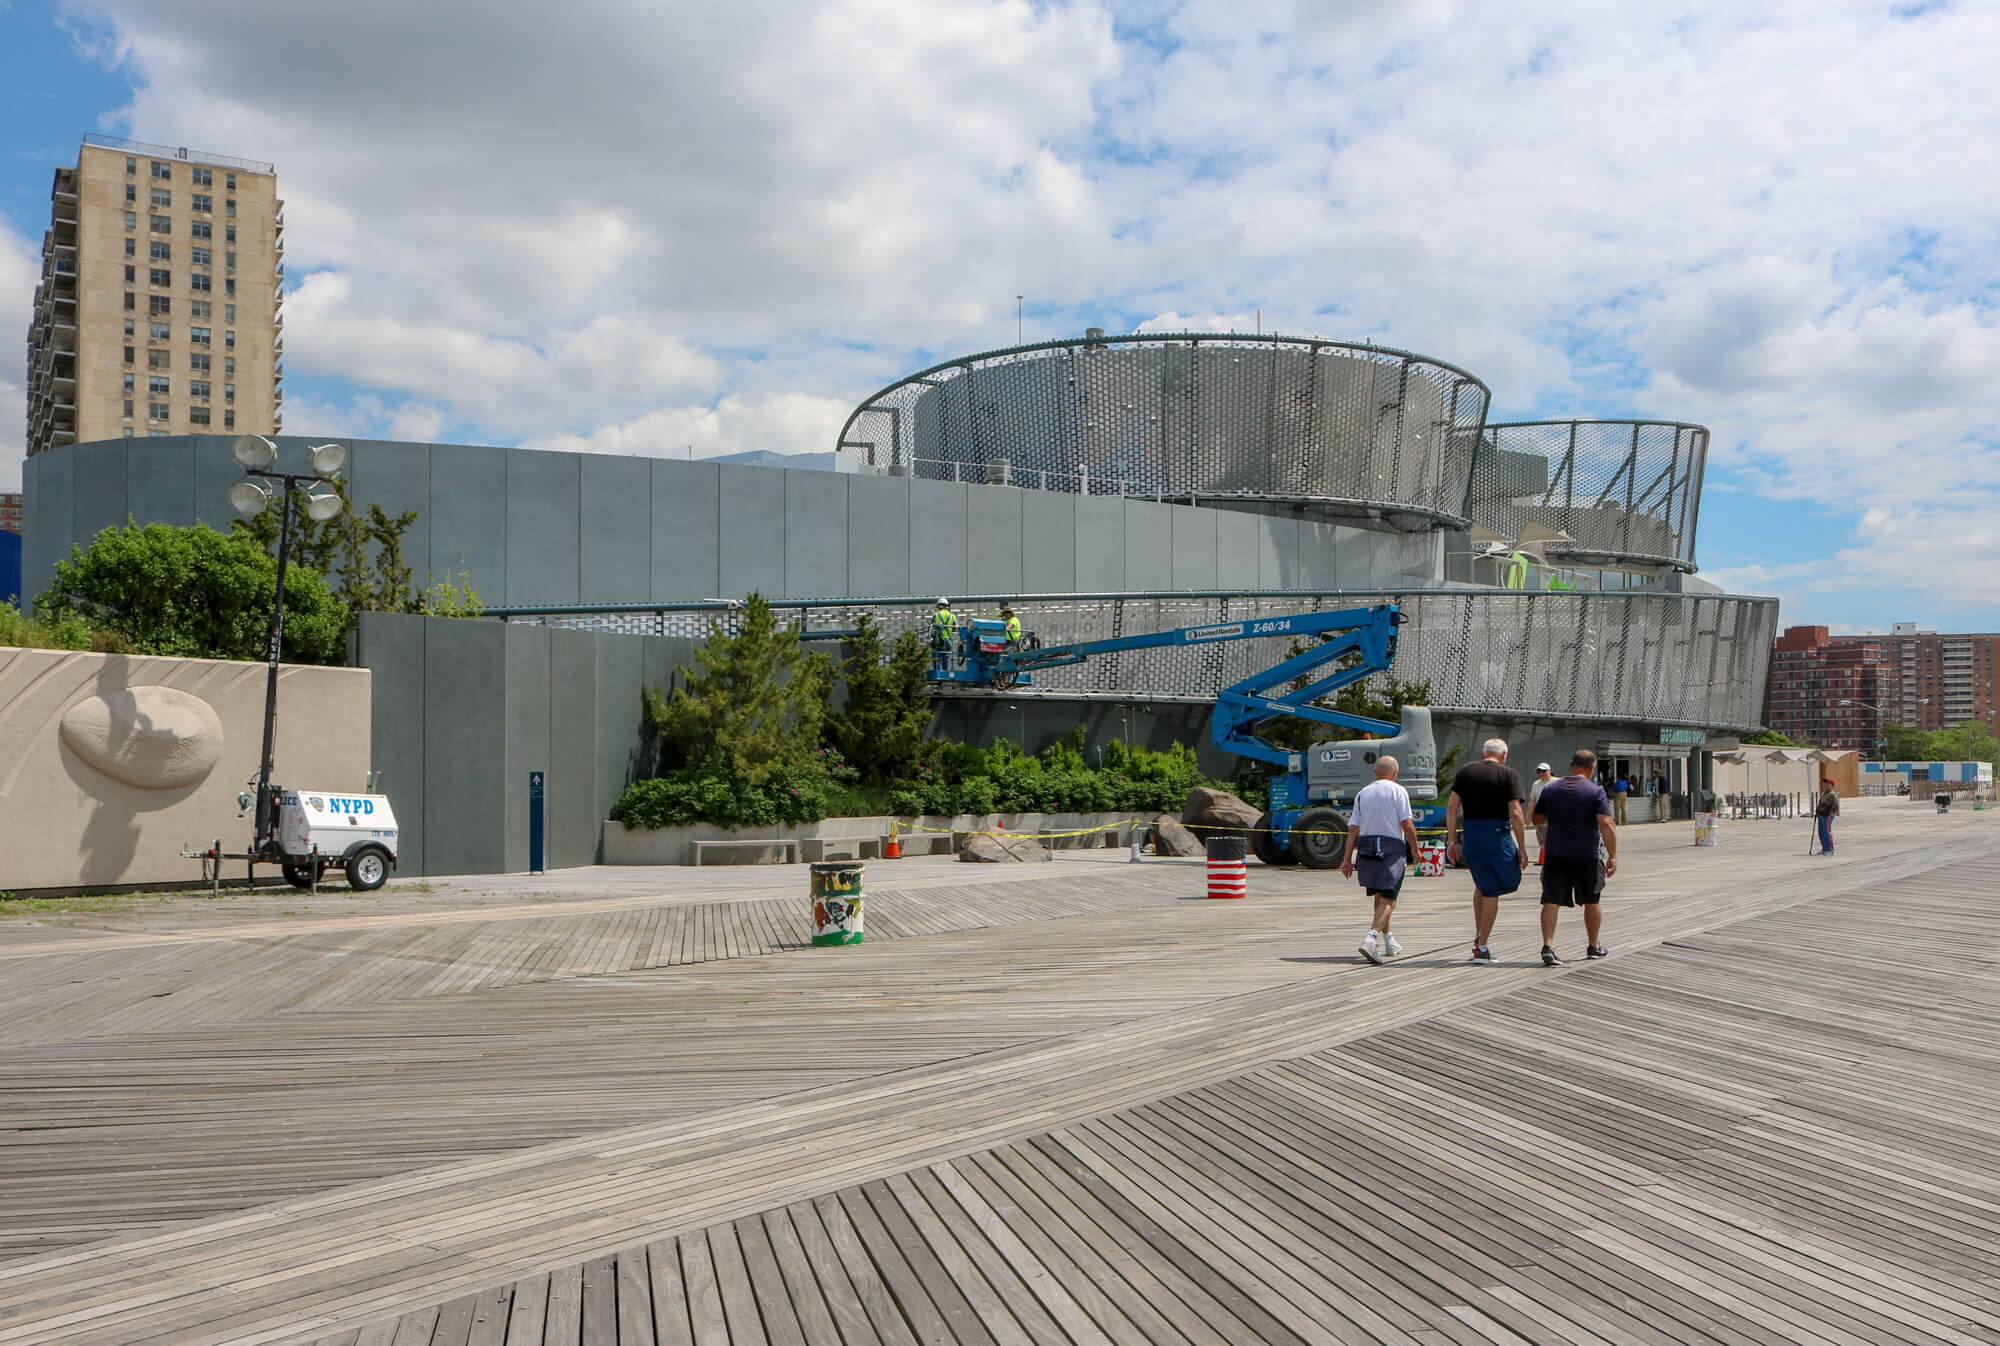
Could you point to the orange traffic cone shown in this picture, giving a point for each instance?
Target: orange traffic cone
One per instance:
(892, 849)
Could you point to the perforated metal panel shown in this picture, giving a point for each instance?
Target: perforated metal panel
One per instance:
(1343, 428)
(1620, 490)
(1671, 658)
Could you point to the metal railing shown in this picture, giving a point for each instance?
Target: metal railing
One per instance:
(179, 152)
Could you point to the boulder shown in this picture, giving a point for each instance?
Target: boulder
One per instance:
(991, 848)
(1170, 838)
(1209, 813)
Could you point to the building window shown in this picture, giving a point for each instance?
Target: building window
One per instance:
(198, 335)
(131, 193)
(200, 257)
(229, 420)
(229, 392)
(131, 164)
(161, 252)
(200, 229)
(131, 220)
(203, 203)
(160, 359)
(164, 199)
(229, 313)
(131, 247)
(198, 281)
(230, 205)
(228, 233)
(131, 274)
(128, 355)
(158, 411)
(157, 385)
(199, 308)
(197, 415)
(198, 363)
(159, 331)
(229, 340)
(229, 260)
(162, 172)
(160, 224)
(202, 176)
(128, 413)
(129, 379)
(131, 302)
(229, 364)
(198, 388)
(159, 276)
(159, 305)
(229, 285)
(229, 181)
(130, 328)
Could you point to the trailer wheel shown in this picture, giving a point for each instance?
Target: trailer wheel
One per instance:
(1319, 839)
(303, 874)
(367, 869)
(1265, 846)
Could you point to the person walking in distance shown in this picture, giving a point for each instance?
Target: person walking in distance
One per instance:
(1621, 789)
(1826, 811)
(1381, 842)
(1535, 787)
(1577, 814)
(1483, 825)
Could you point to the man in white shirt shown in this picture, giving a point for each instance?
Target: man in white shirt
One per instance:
(1543, 777)
(1381, 842)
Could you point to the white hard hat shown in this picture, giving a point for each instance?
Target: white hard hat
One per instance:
(944, 602)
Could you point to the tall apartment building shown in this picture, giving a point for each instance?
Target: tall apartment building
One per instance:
(1936, 681)
(160, 306)
(1826, 690)
(10, 511)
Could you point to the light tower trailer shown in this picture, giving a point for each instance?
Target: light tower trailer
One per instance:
(316, 831)
(1307, 822)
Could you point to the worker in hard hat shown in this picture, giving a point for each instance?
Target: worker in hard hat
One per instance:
(1013, 627)
(944, 632)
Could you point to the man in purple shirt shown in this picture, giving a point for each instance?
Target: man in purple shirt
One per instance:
(1578, 815)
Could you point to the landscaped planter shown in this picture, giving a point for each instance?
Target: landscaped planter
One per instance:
(669, 845)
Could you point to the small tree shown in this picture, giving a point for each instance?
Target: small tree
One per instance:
(1901, 743)
(755, 699)
(881, 730)
(361, 558)
(195, 593)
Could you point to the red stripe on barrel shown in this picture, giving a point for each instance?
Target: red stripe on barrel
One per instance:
(1228, 878)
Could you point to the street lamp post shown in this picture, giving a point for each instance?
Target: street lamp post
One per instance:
(250, 497)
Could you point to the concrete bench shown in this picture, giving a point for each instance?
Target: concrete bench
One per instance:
(841, 848)
(925, 843)
(698, 849)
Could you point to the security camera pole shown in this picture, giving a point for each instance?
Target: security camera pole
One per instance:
(251, 497)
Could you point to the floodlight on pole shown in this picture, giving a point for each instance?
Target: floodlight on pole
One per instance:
(327, 459)
(254, 453)
(249, 498)
(322, 502)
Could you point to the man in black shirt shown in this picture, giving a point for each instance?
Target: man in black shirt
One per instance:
(1485, 808)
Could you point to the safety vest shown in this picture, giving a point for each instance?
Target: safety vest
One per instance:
(1013, 628)
(944, 625)
(1517, 573)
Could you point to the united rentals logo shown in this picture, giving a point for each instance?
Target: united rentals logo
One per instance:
(1214, 632)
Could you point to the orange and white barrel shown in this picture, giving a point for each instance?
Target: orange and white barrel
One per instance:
(1228, 873)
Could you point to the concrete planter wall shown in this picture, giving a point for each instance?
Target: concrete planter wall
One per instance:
(669, 845)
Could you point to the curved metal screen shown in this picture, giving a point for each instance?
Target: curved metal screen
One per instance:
(1343, 428)
(1692, 659)
(1619, 490)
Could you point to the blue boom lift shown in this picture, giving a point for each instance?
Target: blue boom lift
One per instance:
(1307, 823)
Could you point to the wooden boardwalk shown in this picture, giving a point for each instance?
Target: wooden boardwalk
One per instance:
(1128, 1117)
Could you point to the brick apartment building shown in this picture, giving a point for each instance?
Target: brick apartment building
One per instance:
(1911, 677)
(10, 511)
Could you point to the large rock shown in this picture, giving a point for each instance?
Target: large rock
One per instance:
(1170, 838)
(1210, 813)
(990, 848)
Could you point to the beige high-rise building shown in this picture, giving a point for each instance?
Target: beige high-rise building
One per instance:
(160, 310)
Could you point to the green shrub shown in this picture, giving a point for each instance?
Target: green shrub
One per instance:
(708, 794)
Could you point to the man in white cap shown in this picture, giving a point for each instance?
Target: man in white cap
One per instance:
(1535, 787)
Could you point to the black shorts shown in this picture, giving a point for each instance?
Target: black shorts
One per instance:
(1572, 882)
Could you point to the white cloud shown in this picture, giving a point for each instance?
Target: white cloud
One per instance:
(630, 226)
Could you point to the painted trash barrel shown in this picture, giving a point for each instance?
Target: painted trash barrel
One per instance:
(1228, 873)
(836, 901)
(1428, 862)
(1704, 828)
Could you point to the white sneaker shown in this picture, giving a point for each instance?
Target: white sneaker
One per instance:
(1391, 946)
(1371, 947)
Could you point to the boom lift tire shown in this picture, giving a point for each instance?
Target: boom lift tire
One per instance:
(1264, 845)
(1319, 839)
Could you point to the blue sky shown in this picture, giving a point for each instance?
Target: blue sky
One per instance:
(667, 229)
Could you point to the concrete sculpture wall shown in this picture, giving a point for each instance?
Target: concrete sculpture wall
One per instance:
(110, 763)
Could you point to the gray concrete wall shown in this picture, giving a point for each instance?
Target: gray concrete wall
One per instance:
(554, 529)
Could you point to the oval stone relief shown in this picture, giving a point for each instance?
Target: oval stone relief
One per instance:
(157, 738)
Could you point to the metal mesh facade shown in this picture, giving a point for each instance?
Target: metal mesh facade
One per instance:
(1668, 658)
(1622, 490)
(1344, 429)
